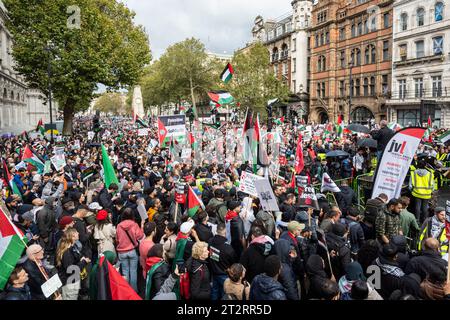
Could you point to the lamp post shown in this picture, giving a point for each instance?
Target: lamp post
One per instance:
(351, 91)
(48, 48)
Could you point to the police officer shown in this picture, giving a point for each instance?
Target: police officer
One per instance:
(434, 227)
(422, 186)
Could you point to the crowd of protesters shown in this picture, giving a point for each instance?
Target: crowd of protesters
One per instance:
(231, 249)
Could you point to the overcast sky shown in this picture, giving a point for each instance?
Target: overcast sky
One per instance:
(222, 25)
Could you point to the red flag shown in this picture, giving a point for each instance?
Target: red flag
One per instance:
(429, 122)
(162, 133)
(293, 182)
(299, 162)
(339, 121)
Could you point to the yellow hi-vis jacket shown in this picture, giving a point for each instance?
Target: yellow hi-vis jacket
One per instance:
(441, 157)
(443, 242)
(422, 186)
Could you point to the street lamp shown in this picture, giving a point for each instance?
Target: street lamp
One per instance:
(49, 48)
(351, 91)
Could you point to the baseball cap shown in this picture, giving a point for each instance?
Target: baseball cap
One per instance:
(187, 226)
(95, 206)
(293, 225)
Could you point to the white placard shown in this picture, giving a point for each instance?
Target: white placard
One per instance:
(51, 286)
(142, 212)
(91, 135)
(247, 183)
(59, 161)
(266, 195)
(143, 132)
(186, 153)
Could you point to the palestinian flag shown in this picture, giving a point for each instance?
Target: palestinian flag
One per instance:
(279, 121)
(221, 97)
(139, 121)
(12, 244)
(257, 146)
(109, 175)
(429, 123)
(216, 125)
(247, 134)
(427, 137)
(12, 184)
(111, 285)
(31, 158)
(87, 173)
(445, 138)
(394, 126)
(40, 127)
(194, 203)
(162, 134)
(340, 126)
(214, 105)
(227, 74)
(192, 141)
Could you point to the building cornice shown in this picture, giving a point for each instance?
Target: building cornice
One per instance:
(422, 33)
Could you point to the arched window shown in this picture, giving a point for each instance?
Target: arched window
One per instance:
(439, 11)
(18, 97)
(373, 24)
(284, 50)
(372, 86)
(357, 88)
(362, 115)
(321, 64)
(12, 95)
(367, 55)
(420, 17)
(275, 54)
(366, 87)
(404, 22)
(358, 57)
(5, 93)
(373, 54)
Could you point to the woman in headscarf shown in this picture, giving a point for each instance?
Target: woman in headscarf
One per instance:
(93, 281)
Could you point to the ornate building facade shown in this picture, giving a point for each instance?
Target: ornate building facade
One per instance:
(421, 63)
(350, 44)
(20, 107)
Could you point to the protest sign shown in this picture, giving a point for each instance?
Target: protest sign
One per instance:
(47, 166)
(171, 126)
(180, 196)
(308, 198)
(91, 135)
(266, 195)
(51, 286)
(247, 183)
(58, 161)
(186, 153)
(143, 132)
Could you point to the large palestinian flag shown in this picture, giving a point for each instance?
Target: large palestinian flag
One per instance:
(11, 182)
(12, 244)
(194, 203)
(111, 285)
(221, 97)
(227, 74)
(29, 157)
(162, 133)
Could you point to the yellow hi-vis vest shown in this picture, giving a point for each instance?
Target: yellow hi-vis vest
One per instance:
(441, 157)
(199, 183)
(443, 242)
(422, 187)
(322, 156)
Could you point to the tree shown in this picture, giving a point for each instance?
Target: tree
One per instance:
(112, 102)
(254, 82)
(93, 42)
(185, 70)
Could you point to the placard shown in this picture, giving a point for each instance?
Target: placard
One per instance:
(143, 132)
(142, 212)
(91, 135)
(266, 195)
(186, 153)
(51, 286)
(247, 183)
(59, 161)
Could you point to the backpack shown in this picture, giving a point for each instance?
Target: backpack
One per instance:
(185, 283)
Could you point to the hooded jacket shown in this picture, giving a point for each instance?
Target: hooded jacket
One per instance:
(254, 256)
(346, 198)
(123, 240)
(287, 276)
(316, 271)
(159, 276)
(236, 229)
(266, 288)
(343, 254)
(200, 277)
(222, 255)
(425, 262)
(46, 218)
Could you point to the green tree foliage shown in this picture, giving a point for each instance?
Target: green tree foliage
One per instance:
(106, 48)
(112, 102)
(254, 82)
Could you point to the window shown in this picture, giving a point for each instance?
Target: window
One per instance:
(404, 22)
(308, 64)
(385, 83)
(437, 86)
(373, 54)
(408, 117)
(360, 29)
(321, 64)
(323, 89)
(294, 65)
(403, 49)
(284, 51)
(288, 27)
(352, 89)
(366, 87)
(372, 86)
(275, 70)
(358, 57)
(402, 89)
(438, 11)
(420, 17)
(367, 55)
(294, 85)
(418, 84)
(386, 50)
(318, 89)
(357, 87)
(285, 68)
(342, 58)
(438, 45)
(294, 45)
(353, 31)
(342, 88)
(342, 34)
(317, 40)
(279, 31)
(420, 49)
(373, 24)
(327, 37)
(271, 34)
(322, 39)
(366, 26)
(275, 54)
(386, 20)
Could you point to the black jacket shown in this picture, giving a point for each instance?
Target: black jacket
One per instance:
(288, 212)
(346, 198)
(35, 279)
(237, 234)
(317, 276)
(389, 283)
(203, 231)
(266, 288)
(84, 237)
(343, 254)
(105, 199)
(207, 194)
(222, 255)
(382, 136)
(159, 276)
(46, 219)
(356, 234)
(287, 276)
(71, 257)
(253, 259)
(14, 294)
(425, 262)
(199, 279)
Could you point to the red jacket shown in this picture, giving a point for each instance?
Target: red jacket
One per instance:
(123, 240)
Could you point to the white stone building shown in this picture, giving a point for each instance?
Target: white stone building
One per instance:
(421, 63)
(20, 107)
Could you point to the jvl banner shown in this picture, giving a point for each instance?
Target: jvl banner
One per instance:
(171, 126)
(394, 164)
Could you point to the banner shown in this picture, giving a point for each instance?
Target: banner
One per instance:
(394, 165)
(447, 219)
(186, 153)
(282, 157)
(299, 161)
(308, 198)
(328, 184)
(173, 126)
(180, 195)
(266, 195)
(247, 183)
(153, 143)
